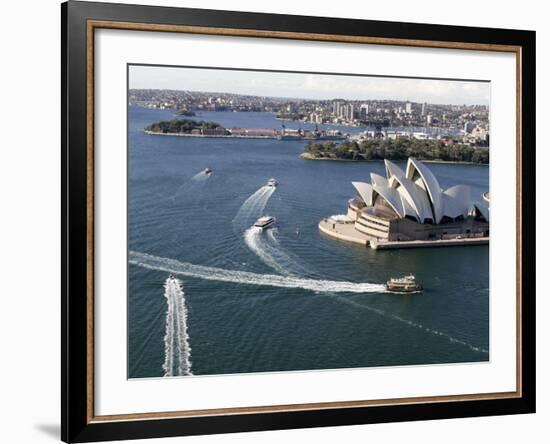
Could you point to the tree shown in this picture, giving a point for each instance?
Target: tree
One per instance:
(399, 149)
(182, 126)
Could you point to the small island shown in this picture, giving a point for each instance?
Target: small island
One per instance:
(186, 127)
(199, 128)
(376, 150)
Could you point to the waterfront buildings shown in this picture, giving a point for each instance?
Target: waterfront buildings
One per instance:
(468, 127)
(365, 112)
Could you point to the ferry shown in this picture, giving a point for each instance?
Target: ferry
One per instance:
(406, 284)
(296, 136)
(272, 182)
(330, 137)
(265, 222)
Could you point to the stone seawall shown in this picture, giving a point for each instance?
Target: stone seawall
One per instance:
(346, 232)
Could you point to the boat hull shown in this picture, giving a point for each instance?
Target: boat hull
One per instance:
(404, 289)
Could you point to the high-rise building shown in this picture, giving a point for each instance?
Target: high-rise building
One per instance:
(424, 109)
(408, 107)
(364, 110)
(469, 127)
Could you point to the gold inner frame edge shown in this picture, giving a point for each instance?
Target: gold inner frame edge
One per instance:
(92, 25)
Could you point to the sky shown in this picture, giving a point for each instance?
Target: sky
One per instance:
(310, 86)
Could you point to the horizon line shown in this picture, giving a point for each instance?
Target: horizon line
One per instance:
(300, 98)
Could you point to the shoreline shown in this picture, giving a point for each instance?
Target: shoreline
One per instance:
(207, 136)
(234, 136)
(308, 156)
(346, 232)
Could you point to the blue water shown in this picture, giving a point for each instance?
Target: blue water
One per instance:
(268, 120)
(253, 300)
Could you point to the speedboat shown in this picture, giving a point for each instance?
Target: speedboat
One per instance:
(406, 284)
(272, 182)
(265, 222)
(208, 171)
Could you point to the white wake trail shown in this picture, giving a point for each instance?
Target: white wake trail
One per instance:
(253, 207)
(201, 176)
(270, 252)
(193, 185)
(168, 365)
(177, 351)
(412, 324)
(244, 277)
(319, 286)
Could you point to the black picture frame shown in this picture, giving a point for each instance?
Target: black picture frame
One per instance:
(77, 425)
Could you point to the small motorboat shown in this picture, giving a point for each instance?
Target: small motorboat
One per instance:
(265, 222)
(272, 182)
(406, 284)
(208, 171)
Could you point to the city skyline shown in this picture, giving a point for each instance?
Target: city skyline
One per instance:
(309, 86)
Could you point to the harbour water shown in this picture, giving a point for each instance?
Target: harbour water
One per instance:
(289, 298)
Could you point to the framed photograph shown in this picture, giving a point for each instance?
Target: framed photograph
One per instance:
(276, 221)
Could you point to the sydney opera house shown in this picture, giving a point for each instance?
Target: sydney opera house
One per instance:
(409, 208)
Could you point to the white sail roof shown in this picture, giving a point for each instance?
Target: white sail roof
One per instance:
(416, 193)
(420, 174)
(483, 210)
(408, 209)
(377, 179)
(416, 197)
(392, 197)
(456, 201)
(365, 191)
(392, 169)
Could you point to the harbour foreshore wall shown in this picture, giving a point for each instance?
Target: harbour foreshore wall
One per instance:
(342, 234)
(347, 232)
(430, 243)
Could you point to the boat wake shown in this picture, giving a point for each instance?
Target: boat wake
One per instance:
(201, 176)
(177, 352)
(244, 277)
(266, 246)
(252, 208)
(192, 185)
(415, 325)
(316, 285)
